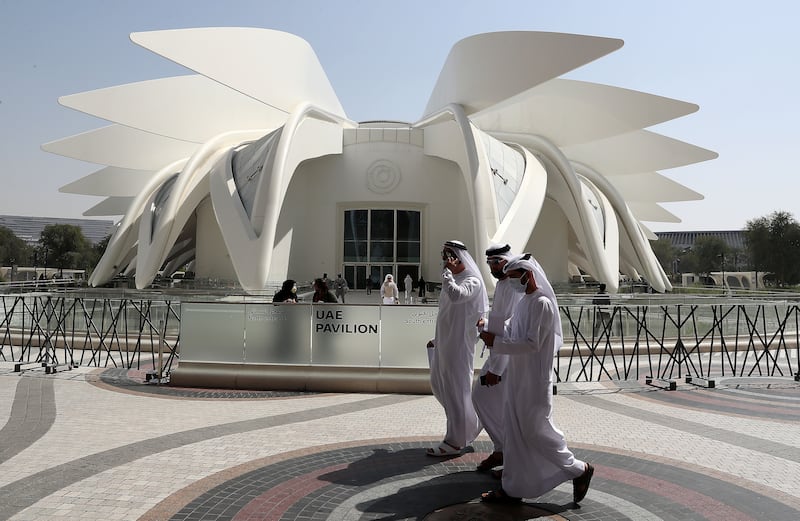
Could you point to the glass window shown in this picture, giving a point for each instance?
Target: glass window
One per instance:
(382, 225)
(407, 251)
(407, 225)
(381, 251)
(381, 237)
(355, 225)
(159, 201)
(355, 251)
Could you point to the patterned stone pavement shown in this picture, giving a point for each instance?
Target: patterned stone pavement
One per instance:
(101, 444)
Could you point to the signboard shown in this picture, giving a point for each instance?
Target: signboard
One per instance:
(345, 335)
(212, 332)
(277, 334)
(405, 331)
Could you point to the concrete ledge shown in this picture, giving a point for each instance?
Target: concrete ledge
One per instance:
(301, 378)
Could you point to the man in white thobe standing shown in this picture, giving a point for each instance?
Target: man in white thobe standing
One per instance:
(537, 458)
(408, 282)
(488, 393)
(462, 302)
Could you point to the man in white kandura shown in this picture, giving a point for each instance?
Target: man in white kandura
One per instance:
(488, 393)
(408, 282)
(462, 302)
(536, 455)
(389, 293)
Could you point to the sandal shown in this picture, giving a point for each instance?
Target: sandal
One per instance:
(495, 459)
(499, 496)
(580, 485)
(443, 450)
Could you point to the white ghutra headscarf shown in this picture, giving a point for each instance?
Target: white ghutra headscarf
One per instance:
(528, 263)
(470, 267)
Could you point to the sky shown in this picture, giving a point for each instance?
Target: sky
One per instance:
(739, 61)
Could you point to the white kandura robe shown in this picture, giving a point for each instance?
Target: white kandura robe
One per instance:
(389, 293)
(490, 400)
(460, 307)
(536, 456)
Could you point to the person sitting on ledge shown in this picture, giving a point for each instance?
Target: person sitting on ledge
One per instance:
(322, 293)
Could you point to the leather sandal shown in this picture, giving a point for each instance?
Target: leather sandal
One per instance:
(495, 459)
(443, 450)
(499, 496)
(580, 485)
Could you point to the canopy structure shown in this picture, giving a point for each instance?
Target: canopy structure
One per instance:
(256, 174)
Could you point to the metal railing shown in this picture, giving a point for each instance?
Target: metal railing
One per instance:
(655, 339)
(669, 341)
(69, 329)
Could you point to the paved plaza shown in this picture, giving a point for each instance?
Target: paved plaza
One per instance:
(102, 444)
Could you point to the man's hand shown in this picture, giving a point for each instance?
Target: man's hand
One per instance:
(452, 264)
(491, 379)
(488, 338)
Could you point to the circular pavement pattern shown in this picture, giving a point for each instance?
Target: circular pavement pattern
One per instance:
(397, 481)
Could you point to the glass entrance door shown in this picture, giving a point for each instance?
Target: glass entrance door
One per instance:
(378, 274)
(356, 276)
(378, 242)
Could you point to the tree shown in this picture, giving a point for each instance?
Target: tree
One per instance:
(13, 250)
(773, 244)
(100, 247)
(96, 252)
(65, 246)
(666, 254)
(709, 254)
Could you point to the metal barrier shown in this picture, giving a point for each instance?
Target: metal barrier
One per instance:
(695, 342)
(62, 330)
(657, 342)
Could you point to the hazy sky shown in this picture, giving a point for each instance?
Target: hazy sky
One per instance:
(739, 61)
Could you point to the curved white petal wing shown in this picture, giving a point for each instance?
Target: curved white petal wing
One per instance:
(637, 152)
(110, 181)
(110, 206)
(123, 147)
(486, 69)
(652, 187)
(190, 108)
(276, 68)
(569, 112)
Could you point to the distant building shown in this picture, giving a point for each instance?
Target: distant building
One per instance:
(29, 229)
(735, 239)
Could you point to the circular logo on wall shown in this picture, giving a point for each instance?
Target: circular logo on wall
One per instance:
(383, 176)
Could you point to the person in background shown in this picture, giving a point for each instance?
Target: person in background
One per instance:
(369, 285)
(462, 302)
(389, 294)
(536, 456)
(421, 292)
(322, 293)
(602, 315)
(408, 282)
(287, 293)
(341, 287)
